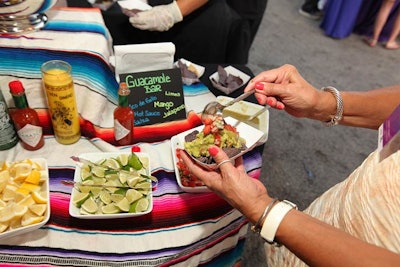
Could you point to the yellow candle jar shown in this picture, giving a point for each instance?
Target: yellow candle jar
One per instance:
(59, 88)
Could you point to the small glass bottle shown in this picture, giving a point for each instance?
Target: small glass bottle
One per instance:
(8, 135)
(26, 120)
(123, 118)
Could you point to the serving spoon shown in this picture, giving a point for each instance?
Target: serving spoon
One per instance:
(215, 108)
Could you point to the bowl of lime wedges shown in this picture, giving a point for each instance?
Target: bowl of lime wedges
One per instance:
(111, 185)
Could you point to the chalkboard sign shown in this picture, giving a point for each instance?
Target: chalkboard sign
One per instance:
(156, 96)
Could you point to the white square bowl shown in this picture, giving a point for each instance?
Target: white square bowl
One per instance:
(199, 69)
(249, 133)
(95, 157)
(45, 187)
(230, 70)
(244, 109)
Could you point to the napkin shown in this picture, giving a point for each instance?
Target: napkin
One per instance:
(134, 5)
(143, 57)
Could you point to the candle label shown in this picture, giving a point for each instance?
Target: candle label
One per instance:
(63, 111)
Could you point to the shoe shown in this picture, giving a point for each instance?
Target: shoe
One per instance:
(315, 14)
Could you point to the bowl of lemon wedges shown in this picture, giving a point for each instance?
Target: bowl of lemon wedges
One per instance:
(24, 196)
(111, 185)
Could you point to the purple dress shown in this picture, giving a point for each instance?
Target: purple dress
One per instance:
(340, 17)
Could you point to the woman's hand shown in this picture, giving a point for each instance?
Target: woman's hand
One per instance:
(231, 182)
(284, 88)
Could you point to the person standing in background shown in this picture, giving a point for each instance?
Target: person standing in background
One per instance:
(380, 21)
(310, 9)
(251, 13)
(203, 31)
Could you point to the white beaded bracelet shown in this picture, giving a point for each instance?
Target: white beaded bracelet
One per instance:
(339, 106)
(273, 220)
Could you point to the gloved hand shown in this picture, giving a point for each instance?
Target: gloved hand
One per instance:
(159, 18)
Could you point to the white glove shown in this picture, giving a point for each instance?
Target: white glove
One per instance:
(159, 18)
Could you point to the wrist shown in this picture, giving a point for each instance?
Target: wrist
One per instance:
(338, 114)
(325, 106)
(273, 219)
(176, 11)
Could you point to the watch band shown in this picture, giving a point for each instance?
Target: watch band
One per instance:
(339, 106)
(274, 218)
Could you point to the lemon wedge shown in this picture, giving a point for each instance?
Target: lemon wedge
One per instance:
(30, 218)
(38, 209)
(39, 197)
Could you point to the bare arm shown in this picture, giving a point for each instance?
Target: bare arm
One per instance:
(188, 6)
(313, 241)
(308, 237)
(367, 109)
(284, 88)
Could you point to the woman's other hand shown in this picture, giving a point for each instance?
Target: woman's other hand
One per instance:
(231, 182)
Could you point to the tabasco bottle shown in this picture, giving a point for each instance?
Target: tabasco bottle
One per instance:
(123, 118)
(26, 120)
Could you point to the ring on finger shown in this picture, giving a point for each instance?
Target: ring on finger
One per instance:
(223, 162)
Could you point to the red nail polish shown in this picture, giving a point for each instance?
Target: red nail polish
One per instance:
(259, 86)
(213, 151)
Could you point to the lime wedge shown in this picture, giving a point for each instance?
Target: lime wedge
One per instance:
(110, 209)
(132, 181)
(79, 197)
(85, 174)
(112, 164)
(132, 195)
(105, 197)
(144, 187)
(123, 159)
(123, 204)
(98, 171)
(145, 162)
(89, 205)
(139, 206)
(134, 161)
(116, 197)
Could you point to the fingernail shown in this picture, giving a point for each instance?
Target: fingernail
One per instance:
(280, 106)
(259, 86)
(213, 151)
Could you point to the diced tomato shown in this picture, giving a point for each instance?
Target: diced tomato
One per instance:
(208, 121)
(230, 128)
(207, 129)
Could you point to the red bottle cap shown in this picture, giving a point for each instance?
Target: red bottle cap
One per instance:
(16, 87)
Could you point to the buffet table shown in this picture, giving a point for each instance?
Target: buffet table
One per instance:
(184, 229)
